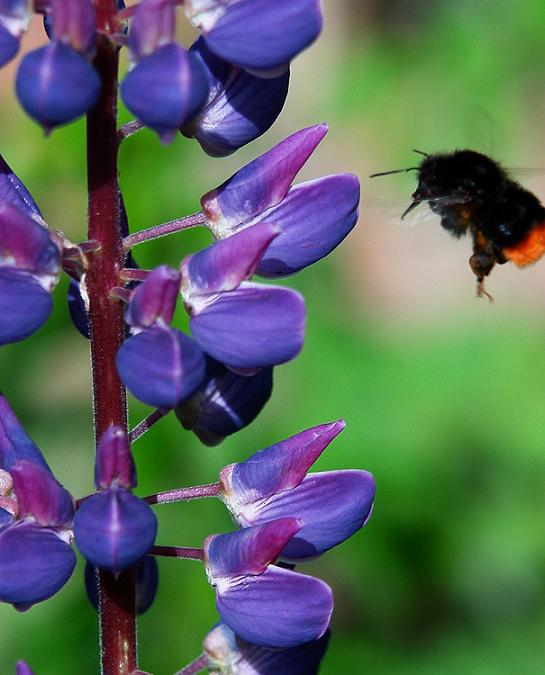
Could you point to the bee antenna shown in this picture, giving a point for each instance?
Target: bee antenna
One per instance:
(420, 152)
(387, 173)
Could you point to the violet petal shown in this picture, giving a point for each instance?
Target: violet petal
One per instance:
(279, 608)
(114, 529)
(262, 183)
(153, 25)
(248, 551)
(56, 85)
(314, 218)
(252, 327)
(6, 518)
(40, 495)
(281, 466)
(74, 23)
(286, 27)
(34, 563)
(9, 46)
(24, 305)
(13, 190)
(15, 444)
(22, 668)
(166, 89)
(223, 265)
(161, 366)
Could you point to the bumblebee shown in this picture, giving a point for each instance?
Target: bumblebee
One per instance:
(473, 194)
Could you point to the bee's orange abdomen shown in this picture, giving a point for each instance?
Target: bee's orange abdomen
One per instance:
(530, 249)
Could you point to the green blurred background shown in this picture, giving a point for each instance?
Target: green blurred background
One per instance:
(443, 394)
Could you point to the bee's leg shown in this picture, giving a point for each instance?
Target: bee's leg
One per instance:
(481, 262)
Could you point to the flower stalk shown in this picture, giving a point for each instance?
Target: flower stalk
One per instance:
(117, 614)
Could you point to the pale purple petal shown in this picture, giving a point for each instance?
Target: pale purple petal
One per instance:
(34, 564)
(314, 218)
(252, 327)
(231, 654)
(286, 27)
(278, 608)
(155, 298)
(74, 23)
(281, 466)
(247, 551)
(226, 263)
(26, 244)
(23, 668)
(114, 529)
(40, 495)
(114, 463)
(161, 366)
(153, 25)
(15, 444)
(260, 184)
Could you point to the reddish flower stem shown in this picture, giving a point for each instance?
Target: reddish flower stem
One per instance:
(184, 494)
(141, 428)
(162, 230)
(178, 552)
(117, 602)
(195, 666)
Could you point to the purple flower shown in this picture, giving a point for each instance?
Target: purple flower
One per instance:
(29, 266)
(273, 483)
(240, 107)
(230, 654)
(264, 604)
(23, 668)
(113, 528)
(158, 364)
(225, 402)
(36, 559)
(56, 85)
(312, 218)
(237, 30)
(241, 324)
(14, 17)
(167, 86)
(74, 23)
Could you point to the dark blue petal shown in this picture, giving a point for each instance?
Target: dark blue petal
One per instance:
(114, 529)
(263, 36)
(161, 366)
(24, 305)
(9, 46)
(34, 564)
(77, 309)
(313, 218)
(225, 403)
(252, 327)
(56, 85)
(240, 106)
(147, 580)
(166, 89)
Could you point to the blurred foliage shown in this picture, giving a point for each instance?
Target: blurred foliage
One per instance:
(449, 575)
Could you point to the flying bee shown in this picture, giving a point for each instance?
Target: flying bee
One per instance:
(473, 193)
